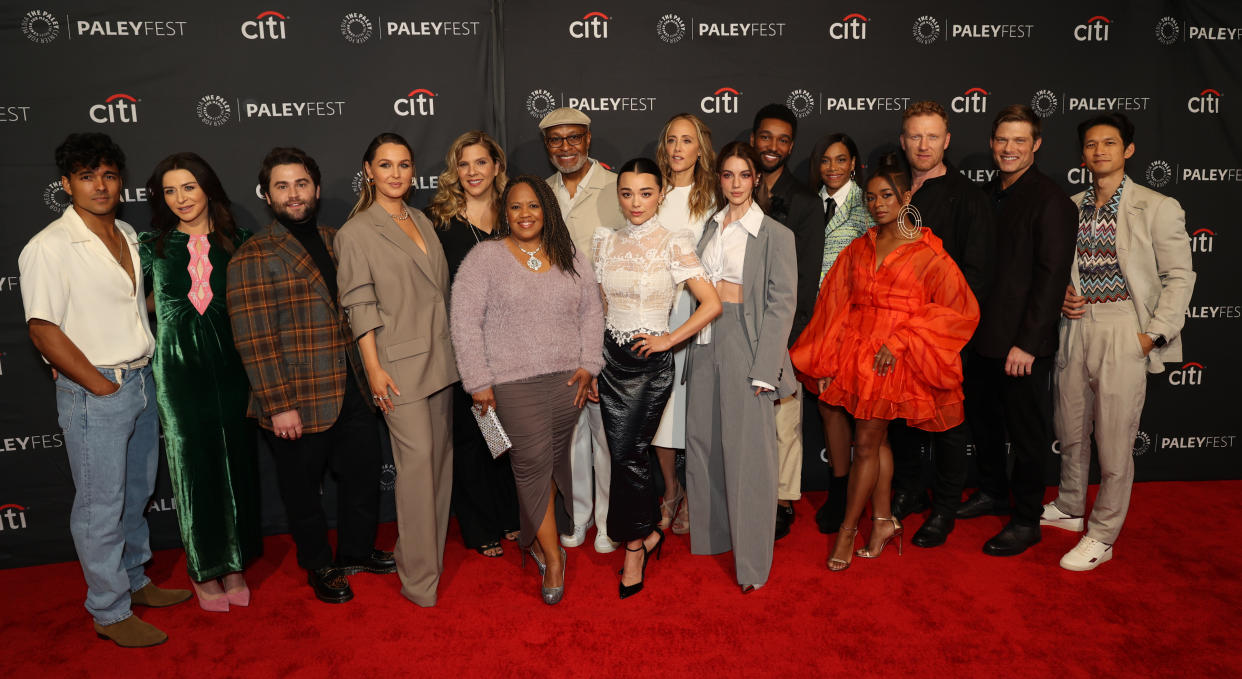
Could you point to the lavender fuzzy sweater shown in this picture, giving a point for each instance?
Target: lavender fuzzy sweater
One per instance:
(510, 323)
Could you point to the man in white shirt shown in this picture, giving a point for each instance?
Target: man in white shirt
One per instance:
(86, 313)
(587, 194)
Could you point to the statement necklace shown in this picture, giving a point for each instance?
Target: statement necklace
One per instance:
(532, 262)
(401, 216)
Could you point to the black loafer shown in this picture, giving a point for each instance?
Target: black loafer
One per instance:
(784, 519)
(330, 585)
(906, 503)
(1012, 540)
(379, 562)
(934, 531)
(982, 504)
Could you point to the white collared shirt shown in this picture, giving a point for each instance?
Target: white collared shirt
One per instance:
(562, 192)
(725, 252)
(838, 196)
(69, 278)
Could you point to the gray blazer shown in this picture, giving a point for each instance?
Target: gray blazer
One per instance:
(1153, 251)
(769, 297)
(389, 285)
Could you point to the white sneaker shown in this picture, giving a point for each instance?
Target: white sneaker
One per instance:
(578, 537)
(604, 544)
(1056, 518)
(1088, 554)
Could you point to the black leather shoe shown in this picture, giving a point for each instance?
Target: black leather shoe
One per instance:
(906, 503)
(934, 531)
(982, 504)
(330, 585)
(784, 519)
(1012, 540)
(379, 562)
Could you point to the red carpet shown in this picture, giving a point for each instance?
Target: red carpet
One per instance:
(1166, 606)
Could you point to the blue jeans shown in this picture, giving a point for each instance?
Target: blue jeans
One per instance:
(112, 443)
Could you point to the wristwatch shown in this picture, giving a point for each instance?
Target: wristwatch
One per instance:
(1157, 340)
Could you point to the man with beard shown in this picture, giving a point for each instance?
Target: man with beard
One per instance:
(791, 203)
(306, 377)
(587, 195)
(960, 214)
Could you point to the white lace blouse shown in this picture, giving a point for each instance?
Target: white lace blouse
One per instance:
(639, 268)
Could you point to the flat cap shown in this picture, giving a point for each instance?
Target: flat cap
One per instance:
(564, 116)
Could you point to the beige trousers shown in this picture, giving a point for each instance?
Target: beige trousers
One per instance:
(789, 446)
(1101, 384)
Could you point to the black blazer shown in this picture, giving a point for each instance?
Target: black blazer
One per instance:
(801, 211)
(1036, 232)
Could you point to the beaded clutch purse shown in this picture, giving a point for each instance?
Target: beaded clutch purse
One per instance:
(489, 425)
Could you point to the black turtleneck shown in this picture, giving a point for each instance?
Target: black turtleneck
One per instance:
(307, 233)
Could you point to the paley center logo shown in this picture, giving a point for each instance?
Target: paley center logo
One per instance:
(540, 103)
(356, 28)
(801, 102)
(1095, 30)
(128, 28)
(213, 110)
(851, 27)
(269, 25)
(1159, 173)
(12, 517)
(865, 103)
(419, 102)
(1169, 30)
(723, 100)
(927, 30)
(117, 108)
(973, 100)
(591, 25)
(40, 26)
(1189, 375)
(1044, 103)
(1207, 101)
(54, 197)
(671, 28)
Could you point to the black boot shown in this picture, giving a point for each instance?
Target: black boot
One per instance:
(830, 516)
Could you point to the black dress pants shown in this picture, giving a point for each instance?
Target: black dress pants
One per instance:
(1023, 407)
(350, 448)
(484, 494)
(949, 452)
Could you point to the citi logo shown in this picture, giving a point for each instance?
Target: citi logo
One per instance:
(268, 25)
(118, 108)
(592, 25)
(850, 27)
(420, 102)
(723, 100)
(1202, 240)
(973, 100)
(1080, 175)
(1095, 30)
(1208, 101)
(1190, 375)
(12, 517)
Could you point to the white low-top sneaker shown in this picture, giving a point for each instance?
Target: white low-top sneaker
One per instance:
(604, 544)
(577, 538)
(1086, 555)
(1056, 518)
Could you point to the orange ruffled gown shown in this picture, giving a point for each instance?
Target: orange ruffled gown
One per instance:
(919, 305)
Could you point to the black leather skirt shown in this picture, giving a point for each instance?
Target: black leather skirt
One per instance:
(632, 394)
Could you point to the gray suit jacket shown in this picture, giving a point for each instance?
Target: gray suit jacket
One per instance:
(597, 207)
(769, 297)
(1153, 251)
(389, 285)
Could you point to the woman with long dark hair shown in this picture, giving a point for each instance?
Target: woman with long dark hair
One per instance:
(737, 368)
(640, 268)
(687, 167)
(528, 329)
(465, 210)
(835, 170)
(884, 343)
(201, 385)
(394, 283)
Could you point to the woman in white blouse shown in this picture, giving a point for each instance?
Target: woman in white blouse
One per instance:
(687, 164)
(639, 268)
(737, 369)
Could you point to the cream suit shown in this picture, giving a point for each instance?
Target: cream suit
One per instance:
(392, 287)
(594, 205)
(1101, 373)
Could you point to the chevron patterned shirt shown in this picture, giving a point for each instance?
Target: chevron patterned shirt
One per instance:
(1098, 270)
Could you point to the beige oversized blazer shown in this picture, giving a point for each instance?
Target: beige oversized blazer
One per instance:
(387, 284)
(1153, 251)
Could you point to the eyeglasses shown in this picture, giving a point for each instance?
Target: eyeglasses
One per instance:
(557, 142)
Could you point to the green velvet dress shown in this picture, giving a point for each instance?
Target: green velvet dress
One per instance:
(202, 391)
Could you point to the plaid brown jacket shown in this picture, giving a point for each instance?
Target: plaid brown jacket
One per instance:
(292, 336)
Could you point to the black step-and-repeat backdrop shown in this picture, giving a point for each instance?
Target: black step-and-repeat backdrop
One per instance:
(234, 80)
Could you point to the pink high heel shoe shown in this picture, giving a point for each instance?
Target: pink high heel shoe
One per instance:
(214, 603)
(239, 597)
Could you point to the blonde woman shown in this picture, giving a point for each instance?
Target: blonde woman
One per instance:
(686, 160)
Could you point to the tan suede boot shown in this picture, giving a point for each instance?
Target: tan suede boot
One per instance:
(132, 632)
(153, 596)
